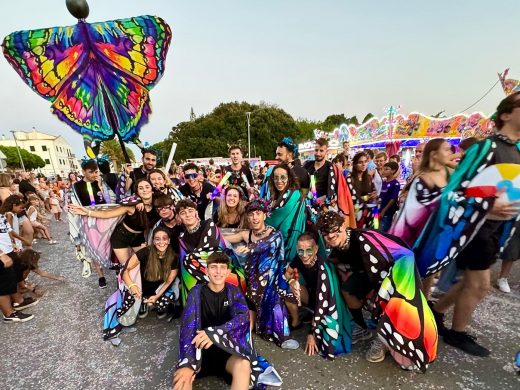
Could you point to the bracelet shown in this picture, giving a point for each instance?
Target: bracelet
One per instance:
(89, 213)
(291, 281)
(132, 285)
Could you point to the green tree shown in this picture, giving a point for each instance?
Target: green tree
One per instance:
(210, 135)
(30, 160)
(112, 148)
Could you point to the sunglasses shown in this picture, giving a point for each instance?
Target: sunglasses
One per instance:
(191, 176)
(305, 252)
(280, 178)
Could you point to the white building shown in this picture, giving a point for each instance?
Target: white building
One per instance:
(54, 150)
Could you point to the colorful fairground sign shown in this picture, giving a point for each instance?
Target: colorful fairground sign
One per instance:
(410, 129)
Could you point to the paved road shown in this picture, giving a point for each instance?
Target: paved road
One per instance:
(62, 347)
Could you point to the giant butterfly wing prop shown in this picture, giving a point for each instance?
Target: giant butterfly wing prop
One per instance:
(406, 323)
(97, 76)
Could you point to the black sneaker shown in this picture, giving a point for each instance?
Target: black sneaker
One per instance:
(102, 282)
(143, 311)
(161, 314)
(27, 302)
(18, 317)
(467, 343)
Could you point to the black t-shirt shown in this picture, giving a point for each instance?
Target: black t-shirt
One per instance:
(149, 287)
(321, 175)
(350, 256)
(201, 200)
(25, 186)
(111, 180)
(214, 307)
(309, 274)
(191, 240)
(236, 176)
(301, 173)
(83, 195)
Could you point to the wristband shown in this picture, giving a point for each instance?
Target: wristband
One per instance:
(132, 285)
(89, 213)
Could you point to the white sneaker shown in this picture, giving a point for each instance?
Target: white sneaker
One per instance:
(503, 285)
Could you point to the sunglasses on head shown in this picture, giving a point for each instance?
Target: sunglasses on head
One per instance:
(191, 176)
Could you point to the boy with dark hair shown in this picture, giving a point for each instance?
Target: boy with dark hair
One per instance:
(132, 175)
(321, 170)
(241, 175)
(389, 194)
(196, 190)
(86, 192)
(215, 336)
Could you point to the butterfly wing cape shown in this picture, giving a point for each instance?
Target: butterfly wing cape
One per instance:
(459, 217)
(97, 76)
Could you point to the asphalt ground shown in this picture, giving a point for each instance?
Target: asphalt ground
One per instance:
(62, 348)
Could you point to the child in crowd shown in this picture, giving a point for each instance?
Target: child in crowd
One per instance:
(389, 194)
(11, 207)
(26, 263)
(33, 214)
(8, 279)
(55, 205)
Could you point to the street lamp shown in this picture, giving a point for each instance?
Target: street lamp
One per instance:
(18, 149)
(248, 135)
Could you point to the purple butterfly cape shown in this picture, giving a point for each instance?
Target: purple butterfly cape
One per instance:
(458, 218)
(96, 75)
(405, 321)
(233, 337)
(267, 287)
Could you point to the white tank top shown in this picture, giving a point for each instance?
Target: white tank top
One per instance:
(34, 215)
(6, 246)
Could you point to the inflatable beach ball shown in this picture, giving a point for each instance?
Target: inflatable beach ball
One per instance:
(496, 178)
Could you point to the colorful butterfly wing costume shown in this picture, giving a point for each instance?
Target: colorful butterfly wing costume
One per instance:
(97, 76)
(406, 323)
(459, 217)
(193, 260)
(267, 287)
(233, 337)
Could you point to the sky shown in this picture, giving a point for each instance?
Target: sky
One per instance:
(311, 58)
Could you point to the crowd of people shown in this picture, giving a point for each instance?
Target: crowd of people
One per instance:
(341, 245)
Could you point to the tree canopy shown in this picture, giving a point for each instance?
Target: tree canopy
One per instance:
(113, 150)
(30, 160)
(210, 135)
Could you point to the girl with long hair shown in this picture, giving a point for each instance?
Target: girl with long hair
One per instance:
(163, 185)
(147, 278)
(424, 194)
(10, 208)
(363, 191)
(129, 235)
(231, 212)
(288, 207)
(32, 206)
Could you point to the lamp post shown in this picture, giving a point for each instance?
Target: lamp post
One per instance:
(248, 135)
(18, 150)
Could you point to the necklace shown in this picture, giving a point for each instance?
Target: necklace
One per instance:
(260, 234)
(346, 245)
(311, 264)
(193, 230)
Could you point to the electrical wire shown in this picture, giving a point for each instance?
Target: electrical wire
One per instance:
(478, 101)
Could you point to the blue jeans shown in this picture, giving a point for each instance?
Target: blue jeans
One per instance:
(386, 222)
